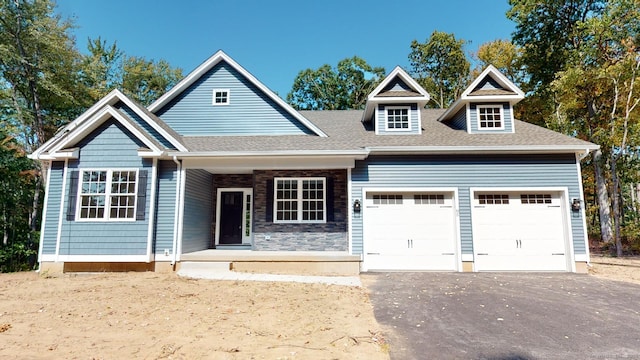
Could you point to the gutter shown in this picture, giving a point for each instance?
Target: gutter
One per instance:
(528, 149)
(359, 154)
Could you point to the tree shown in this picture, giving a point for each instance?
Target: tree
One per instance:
(440, 66)
(505, 56)
(598, 99)
(146, 80)
(101, 69)
(326, 88)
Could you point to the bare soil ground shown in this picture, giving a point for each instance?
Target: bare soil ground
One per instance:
(620, 269)
(162, 316)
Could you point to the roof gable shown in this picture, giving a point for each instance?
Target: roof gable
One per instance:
(397, 87)
(490, 86)
(218, 61)
(103, 110)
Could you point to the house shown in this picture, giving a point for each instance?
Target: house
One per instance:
(220, 169)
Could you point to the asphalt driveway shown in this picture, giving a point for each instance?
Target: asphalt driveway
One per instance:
(506, 316)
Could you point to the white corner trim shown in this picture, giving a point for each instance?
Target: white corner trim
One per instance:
(152, 210)
(467, 257)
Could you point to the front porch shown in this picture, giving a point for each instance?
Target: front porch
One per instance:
(278, 262)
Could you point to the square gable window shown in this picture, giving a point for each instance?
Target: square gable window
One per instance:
(490, 117)
(221, 96)
(398, 119)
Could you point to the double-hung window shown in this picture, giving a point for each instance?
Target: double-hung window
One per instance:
(398, 118)
(107, 195)
(300, 200)
(490, 117)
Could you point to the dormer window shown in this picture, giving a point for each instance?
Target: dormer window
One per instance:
(220, 96)
(490, 117)
(398, 118)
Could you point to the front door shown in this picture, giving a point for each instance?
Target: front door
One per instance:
(231, 217)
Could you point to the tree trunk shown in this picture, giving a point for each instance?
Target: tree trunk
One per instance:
(602, 198)
(615, 193)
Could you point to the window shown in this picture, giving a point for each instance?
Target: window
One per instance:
(398, 118)
(535, 198)
(490, 117)
(300, 200)
(387, 199)
(493, 199)
(428, 199)
(221, 97)
(107, 194)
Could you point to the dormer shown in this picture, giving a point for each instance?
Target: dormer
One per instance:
(486, 106)
(393, 107)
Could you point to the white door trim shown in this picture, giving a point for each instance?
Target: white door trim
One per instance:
(246, 240)
(566, 211)
(449, 190)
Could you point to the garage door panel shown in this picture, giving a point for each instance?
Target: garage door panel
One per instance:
(519, 231)
(409, 231)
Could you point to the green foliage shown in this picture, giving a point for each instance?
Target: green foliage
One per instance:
(326, 88)
(18, 246)
(440, 66)
(505, 56)
(146, 80)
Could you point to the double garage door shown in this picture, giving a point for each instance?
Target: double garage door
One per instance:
(511, 231)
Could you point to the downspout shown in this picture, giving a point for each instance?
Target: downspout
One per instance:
(177, 211)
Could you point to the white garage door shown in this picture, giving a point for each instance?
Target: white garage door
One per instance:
(515, 231)
(410, 231)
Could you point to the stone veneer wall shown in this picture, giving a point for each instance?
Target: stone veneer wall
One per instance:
(330, 236)
(226, 181)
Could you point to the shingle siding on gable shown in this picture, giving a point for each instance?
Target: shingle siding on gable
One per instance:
(464, 172)
(143, 124)
(381, 121)
(507, 118)
(249, 112)
(198, 204)
(109, 146)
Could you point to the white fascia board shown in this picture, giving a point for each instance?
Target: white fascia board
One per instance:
(519, 149)
(512, 99)
(213, 61)
(399, 72)
(108, 111)
(153, 124)
(496, 75)
(109, 99)
(359, 154)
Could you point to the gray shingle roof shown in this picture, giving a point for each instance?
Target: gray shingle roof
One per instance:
(346, 132)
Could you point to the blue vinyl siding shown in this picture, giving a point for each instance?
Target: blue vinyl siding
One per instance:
(464, 173)
(506, 112)
(54, 191)
(109, 146)
(143, 124)
(198, 212)
(250, 112)
(459, 121)
(414, 120)
(165, 206)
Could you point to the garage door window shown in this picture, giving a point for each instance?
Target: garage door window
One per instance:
(428, 199)
(493, 199)
(535, 198)
(385, 199)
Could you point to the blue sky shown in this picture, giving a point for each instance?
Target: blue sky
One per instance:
(276, 39)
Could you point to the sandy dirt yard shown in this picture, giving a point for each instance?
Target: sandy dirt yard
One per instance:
(620, 269)
(162, 316)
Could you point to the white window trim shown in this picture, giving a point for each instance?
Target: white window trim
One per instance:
(107, 211)
(300, 200)
(386, 118)
(213, 97)
(487, 106)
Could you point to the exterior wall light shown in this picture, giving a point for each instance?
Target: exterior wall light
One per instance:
(357, 207)
(575, 205)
